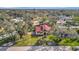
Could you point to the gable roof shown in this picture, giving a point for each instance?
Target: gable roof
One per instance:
(40, 28)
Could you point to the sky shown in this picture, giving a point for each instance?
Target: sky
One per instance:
(39, 3)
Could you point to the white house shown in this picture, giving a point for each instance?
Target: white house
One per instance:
(16, 20)
(61, 21)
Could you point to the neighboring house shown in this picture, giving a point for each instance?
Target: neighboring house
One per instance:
(36, 20)
(1, 29)
(64, 17)
(61, 21)
(35, 23)
(16, 20)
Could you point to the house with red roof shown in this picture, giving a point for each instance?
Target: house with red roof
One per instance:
(46, 27)
(39, 29)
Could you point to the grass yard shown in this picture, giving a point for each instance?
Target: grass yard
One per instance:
(26, 41)
(29, 40)
(76, 18)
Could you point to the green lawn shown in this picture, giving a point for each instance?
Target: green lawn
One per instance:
(31, 40)
(27, 40)
(76, 18)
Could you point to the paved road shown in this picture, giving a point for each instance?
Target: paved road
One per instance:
(40, 48)
(9, 47)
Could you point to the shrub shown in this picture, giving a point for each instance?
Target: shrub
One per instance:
(54, 38)
(8, 39)
(69, 42)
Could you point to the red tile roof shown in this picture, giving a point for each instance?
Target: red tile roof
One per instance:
(46, 27)
(40, 28)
